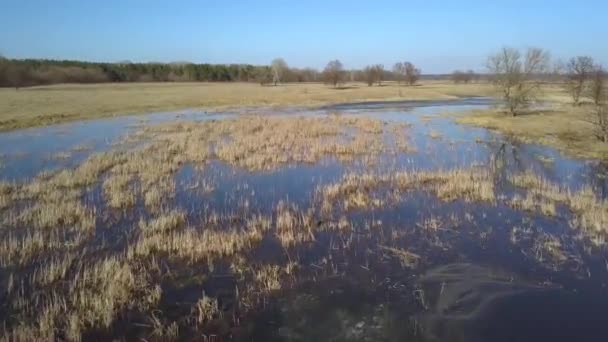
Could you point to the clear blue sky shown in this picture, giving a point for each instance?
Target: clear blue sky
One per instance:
(438, 36)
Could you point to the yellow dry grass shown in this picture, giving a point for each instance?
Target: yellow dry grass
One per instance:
(268, 277)
(194, 245)
(591, 212)
(358, 190)
(407, 259)
(39, 106)
(95, 295)
(293, 227)
(164, 223)
(562, 126)
(206, 309)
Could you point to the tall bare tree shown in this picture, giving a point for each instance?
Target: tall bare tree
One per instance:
(399, 71)
(379, 73)
(412, 74)
(598, 93)
(334, 72)
(598, 90)
(518, 79)
(578, 72)
(278, 67)
(369, 74)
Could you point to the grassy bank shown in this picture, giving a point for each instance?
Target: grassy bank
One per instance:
(562, 126)
(39, 106)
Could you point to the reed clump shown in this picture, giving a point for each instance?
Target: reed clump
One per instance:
(591, 212)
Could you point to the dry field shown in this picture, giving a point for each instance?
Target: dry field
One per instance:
(39, 106)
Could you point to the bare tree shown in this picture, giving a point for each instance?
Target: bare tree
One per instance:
(334, 72)
(597, 88)
(578, 72)
(399, 71)
(518, 80)
(598, 93)
(379, 73)
(278, 67)
(412, 74)
(369, 74)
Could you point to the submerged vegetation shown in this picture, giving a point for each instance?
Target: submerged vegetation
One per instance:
(173, 233)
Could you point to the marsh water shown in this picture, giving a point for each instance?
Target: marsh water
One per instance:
(474, 283)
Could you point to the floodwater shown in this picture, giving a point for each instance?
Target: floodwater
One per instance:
(474, 283)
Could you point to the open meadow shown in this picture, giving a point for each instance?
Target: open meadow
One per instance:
(43, 105)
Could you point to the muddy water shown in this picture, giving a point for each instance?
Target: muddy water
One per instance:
(474, 283)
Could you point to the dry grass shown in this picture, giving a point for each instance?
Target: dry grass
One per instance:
(116, 188)
(402, 144)
(164, 223)
(292, 226)
(206, 309)
(58, 214)
(259, 143)
(591, 212)
(563, 127)
(365, 190)
(40, 106)
(22, 248)
(532, 203)
(95, 296)
(268, 277)
(262, 143)
(74, 290)
(6, 190)
(194, 245)
(406, 259)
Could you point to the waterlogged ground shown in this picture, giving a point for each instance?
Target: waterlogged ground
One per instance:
(354, 222)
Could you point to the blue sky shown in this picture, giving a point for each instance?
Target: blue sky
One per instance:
(438, 36)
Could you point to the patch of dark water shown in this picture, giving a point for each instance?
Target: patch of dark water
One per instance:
(472, 303)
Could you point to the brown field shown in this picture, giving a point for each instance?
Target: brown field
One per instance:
(39, 106)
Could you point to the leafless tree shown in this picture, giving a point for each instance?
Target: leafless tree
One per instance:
(578, 72)
(278, 67)
(597, 90)
(369, 74)
(598, 93)
(412, 74)
(518, 80)
(334, 72)
(379, 73)
(399, 71)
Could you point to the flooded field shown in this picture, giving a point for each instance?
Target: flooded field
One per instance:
(354, 222)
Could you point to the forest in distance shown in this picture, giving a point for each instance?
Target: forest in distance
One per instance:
(31, 72)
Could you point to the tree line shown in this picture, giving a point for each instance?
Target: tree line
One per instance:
(19, 73)
(29, 72)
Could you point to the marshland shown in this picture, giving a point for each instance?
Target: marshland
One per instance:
(345, 202)
(249, 224)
